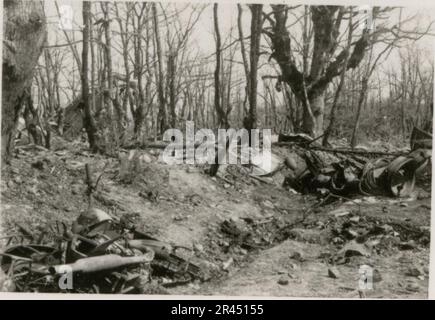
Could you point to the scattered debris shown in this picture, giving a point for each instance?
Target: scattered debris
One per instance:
(391, 174)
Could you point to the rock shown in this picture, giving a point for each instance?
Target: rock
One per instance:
(424, 229)
(423, 195)
(413, 272)
(293, 191)
(178, 217)
(227, 185)
(373, 243)
(227, 263)
(198, 247)
(32, 190)
(38, 165)
(223, 243)
(354, 219)
(370, 200)
(340, 212)
(333, 273)
(353, 248)
(10, 184)
(283, 281)
(308, 235)
(324, 255)
(268, 204)
(297, 256)
(337, 240)
(403, 204)
(351, 234)
(410, 245)
(293, 266)
(413, 287)
(76, 189)
(146, 158)
(320, 224)
(17, 180)
(405, 259)
(387, 228)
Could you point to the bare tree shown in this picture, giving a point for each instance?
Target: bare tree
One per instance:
(222, 117)
(256, 28)
(162, 115)
(334, 106)
(310, 87)
(89, 121)
(24, 35)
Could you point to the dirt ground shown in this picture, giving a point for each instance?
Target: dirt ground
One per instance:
(253, 237)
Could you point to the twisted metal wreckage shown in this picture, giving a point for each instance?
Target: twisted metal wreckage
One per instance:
(389, 174)
(101, 253)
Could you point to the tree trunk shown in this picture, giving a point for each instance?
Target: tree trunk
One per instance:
(89, 122)
(161, 117)
(138, 71)
(361, 100)
(171, 75)
(256, 27)
(243, 52)
(24, 34)
(313, 114)
(222, 119)
(340, 85)
(108, 92)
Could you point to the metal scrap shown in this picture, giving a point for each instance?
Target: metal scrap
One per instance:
(104, 254)
(387, 176)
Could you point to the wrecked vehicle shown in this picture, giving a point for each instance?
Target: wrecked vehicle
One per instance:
(390, 174)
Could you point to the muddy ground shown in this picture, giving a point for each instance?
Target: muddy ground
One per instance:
(252, 237)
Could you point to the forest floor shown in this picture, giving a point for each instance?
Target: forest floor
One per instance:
(281, 243)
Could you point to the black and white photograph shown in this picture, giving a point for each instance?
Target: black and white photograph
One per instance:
(218, 149)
